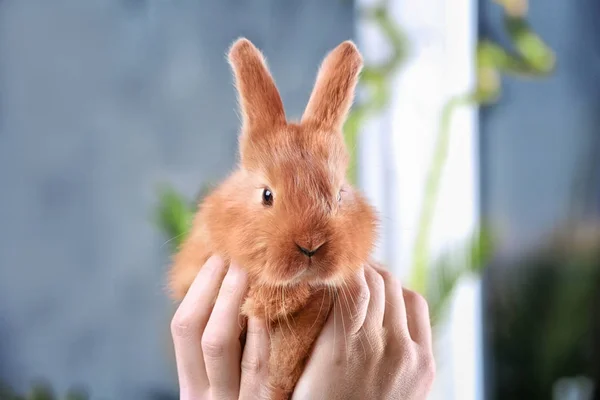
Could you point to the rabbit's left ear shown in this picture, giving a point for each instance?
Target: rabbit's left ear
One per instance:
(333, 93)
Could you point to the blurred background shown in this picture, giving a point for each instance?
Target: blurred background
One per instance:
(475, 134)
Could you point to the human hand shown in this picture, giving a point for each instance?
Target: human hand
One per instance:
(210, 361)
(376, 344)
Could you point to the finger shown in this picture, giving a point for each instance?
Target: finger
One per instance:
(376, 309)
(394, 317)
(345, 320)
(353, 298)
(331, 345)
(349, 311)
(255, 360)
(188, 324)
(220, 343)
(417, 312)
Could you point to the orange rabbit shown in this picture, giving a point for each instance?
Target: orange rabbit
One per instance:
(286, 214)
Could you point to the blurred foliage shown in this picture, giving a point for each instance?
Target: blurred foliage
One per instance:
(41, 391)
(469, 258)
(532, 58)
(544, 317)
(375, 81)
(174, 216)
(421, 257)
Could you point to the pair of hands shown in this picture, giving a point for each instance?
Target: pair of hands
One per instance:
(376, 343)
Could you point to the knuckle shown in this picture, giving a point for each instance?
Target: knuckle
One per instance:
(363, 295)
(376, 345)
(252, 365)
(427, 367)
(402, 361)
(213, 347)
(380, 349)
(254, 330)
(355, 322)
(228, 289)
(416, 300)
(386, 275)
(397, 340)
(397, 286)
(422, 303)
(357, 290)
(408, 359)
(373, 278)
(415, 362)
(183, 326)
(411, 358)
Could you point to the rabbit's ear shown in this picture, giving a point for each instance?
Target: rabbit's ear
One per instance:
(259, 99)
(333, 93)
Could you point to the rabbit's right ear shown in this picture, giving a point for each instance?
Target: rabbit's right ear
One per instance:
(258, 97)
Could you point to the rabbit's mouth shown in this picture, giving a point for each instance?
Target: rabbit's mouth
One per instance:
(312, 271)
(304, 274)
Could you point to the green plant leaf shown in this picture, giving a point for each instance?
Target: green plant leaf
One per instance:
(77, 394)
(375, 80)
(41, 391)
(6, 393)
(533, 59)
(174, 216)
(470, 258)
(421, 251)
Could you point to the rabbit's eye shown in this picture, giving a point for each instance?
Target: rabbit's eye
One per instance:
(267, 197)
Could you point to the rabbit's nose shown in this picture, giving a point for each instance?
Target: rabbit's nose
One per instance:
(307, 252)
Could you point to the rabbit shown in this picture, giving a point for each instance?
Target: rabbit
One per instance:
(286, 214)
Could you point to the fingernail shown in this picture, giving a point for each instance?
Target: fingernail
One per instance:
(215, 266)
(236, 273)
(214, 261)
(234, 268)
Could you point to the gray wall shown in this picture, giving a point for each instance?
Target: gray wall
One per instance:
(100, 101)
(540, 141)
